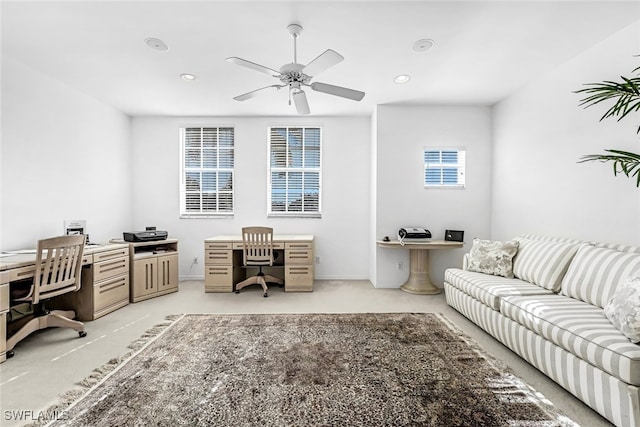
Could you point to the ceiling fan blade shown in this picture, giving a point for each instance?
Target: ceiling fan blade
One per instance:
(326, 59)
(253, 66)
(344, 92)
(300, 99)
(253, 93)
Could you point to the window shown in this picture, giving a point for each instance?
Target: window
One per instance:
(444, 167)
(294, 171)
(206, 175)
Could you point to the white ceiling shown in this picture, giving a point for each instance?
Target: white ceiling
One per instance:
(483, 50)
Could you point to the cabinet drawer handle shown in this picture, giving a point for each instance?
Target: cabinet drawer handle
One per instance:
(120, 283)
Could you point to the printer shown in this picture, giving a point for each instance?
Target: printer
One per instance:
(144, 236)
(408, 233)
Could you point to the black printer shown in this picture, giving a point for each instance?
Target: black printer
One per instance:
(144, 236)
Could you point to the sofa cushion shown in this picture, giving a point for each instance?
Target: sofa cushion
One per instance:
(492, 257)
(579, 328)
(489, 289)
(623, 310)
(618, 247)
(543, 262)
(596, 273)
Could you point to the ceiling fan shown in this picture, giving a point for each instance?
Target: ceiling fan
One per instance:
(296, 76)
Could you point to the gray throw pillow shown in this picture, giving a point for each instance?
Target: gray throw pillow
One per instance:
(492, 257)
(623, 309)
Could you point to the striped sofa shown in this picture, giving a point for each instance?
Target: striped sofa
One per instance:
(551, 314)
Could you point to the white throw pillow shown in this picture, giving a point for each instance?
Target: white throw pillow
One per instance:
(623, 309)
(492, 257)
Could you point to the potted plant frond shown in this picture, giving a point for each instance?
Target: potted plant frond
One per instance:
(626, 96)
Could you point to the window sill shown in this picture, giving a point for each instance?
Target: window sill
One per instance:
(294, 215)
(444, 187)
(206, 216)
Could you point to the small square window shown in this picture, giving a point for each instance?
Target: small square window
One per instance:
(444, 167)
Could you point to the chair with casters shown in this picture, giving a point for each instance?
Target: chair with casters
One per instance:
(57, 271)
(257, 251)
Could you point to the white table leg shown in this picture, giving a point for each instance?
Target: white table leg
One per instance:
(419, 281)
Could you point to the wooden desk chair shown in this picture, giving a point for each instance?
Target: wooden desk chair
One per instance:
(257, 251)
(57, 271)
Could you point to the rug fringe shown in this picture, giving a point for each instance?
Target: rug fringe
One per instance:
(85, 385)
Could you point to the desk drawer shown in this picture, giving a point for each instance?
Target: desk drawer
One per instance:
(21, 273)
(298, 253)
(276, 245)
(5, 277)
(298, 278)
(110, 292)
(217, 245)
(218, 256)
(114, 267)
(107, 255)
(4, 298)
(218, 278)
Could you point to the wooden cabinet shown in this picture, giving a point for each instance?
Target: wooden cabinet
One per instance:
(168, 272)
(154, 268)
(298, 270)
(105, 284)
(219, 271)
(223, 262)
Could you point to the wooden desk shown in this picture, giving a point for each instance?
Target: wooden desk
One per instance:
(105, 284)
(419, 281)
(223, 262)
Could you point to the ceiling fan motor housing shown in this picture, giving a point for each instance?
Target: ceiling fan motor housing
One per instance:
(291, 73)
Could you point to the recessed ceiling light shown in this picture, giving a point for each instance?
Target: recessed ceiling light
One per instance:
(188, 77)
(156, 44)
(423, 45)
(402, 78)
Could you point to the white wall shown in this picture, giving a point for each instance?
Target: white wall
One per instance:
(402, 200)
(65, 155)
(342, 234)
(539, 134)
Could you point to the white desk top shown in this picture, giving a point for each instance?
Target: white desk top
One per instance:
(276, 238)
(422, 244)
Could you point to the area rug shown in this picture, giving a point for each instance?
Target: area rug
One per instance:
(400, 369)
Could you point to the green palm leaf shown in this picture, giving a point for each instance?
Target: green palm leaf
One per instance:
(626, 97)
(623, 162)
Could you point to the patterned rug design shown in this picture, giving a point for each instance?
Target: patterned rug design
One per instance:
(399, 369)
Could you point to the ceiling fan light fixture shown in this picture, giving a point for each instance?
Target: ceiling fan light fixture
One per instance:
(401, 78)
(188, 77)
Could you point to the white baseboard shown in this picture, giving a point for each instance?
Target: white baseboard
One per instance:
(184, 278)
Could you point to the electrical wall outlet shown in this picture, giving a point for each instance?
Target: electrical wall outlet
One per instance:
(195, 260)
(399, 266)
(317, 260)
